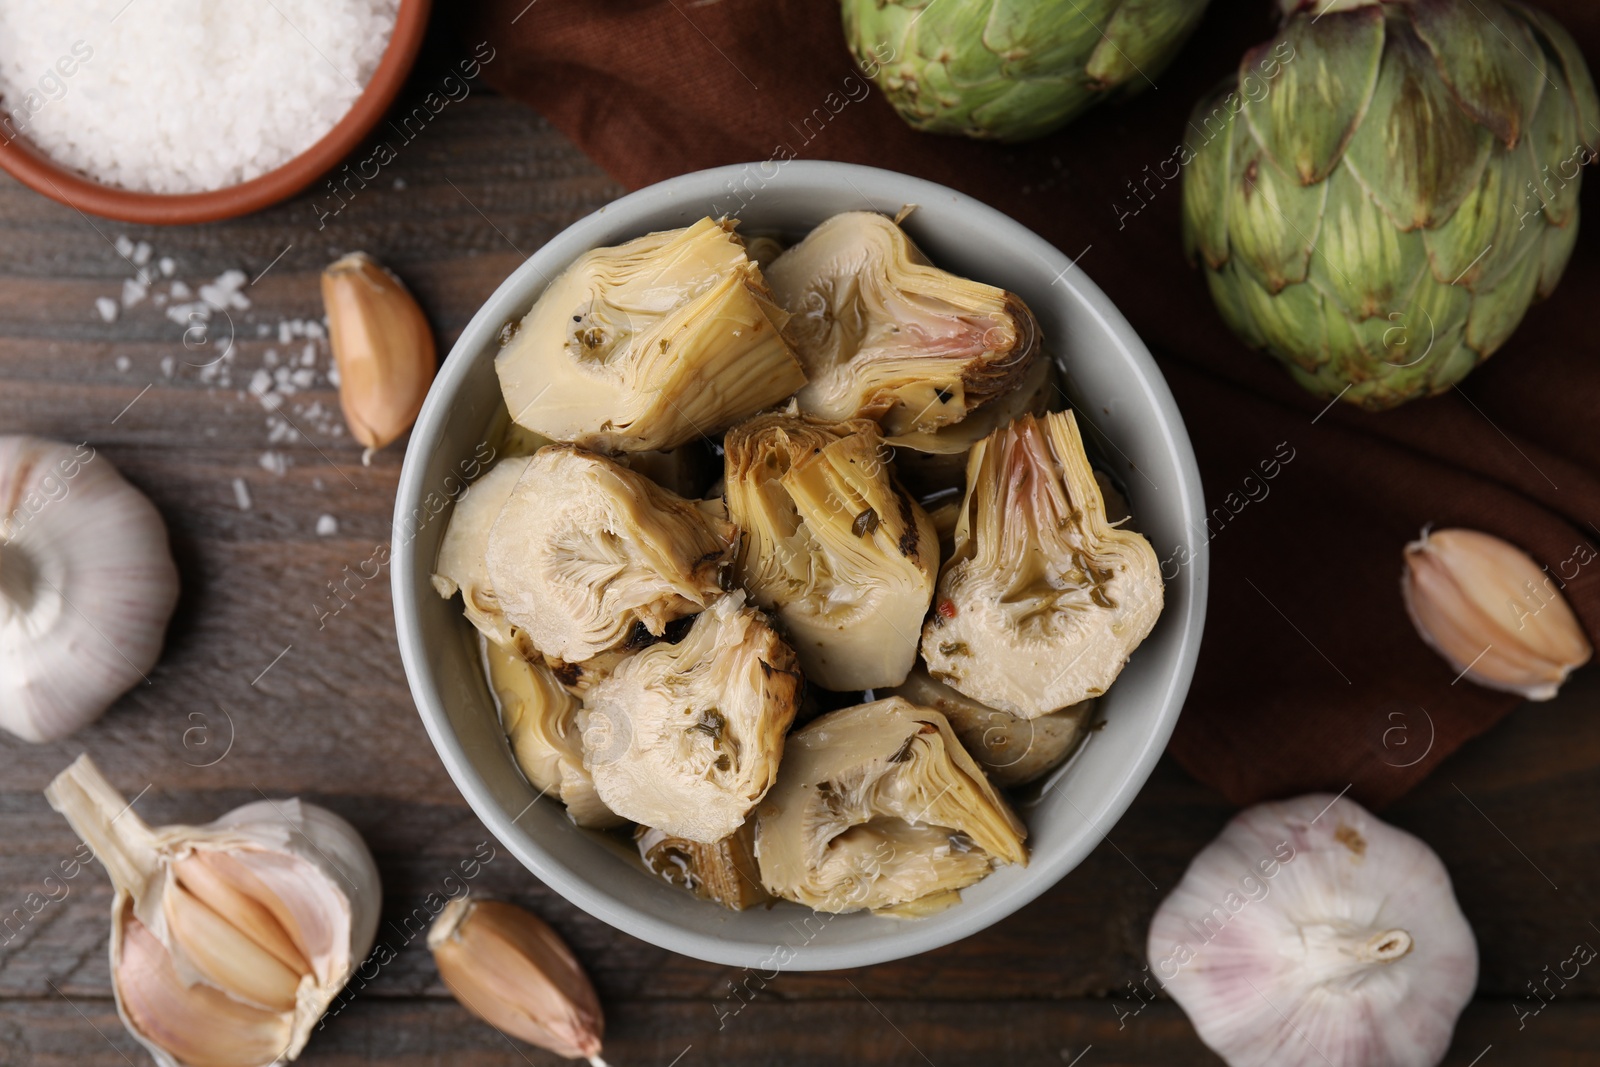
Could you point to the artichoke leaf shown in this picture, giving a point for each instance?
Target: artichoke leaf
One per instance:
(1419, 154)
(540, 719)
(584, 550)
(462, 565)
(1556, 252)
(1208, 179)
(724, 872)
(1497, 311)
(1034, 393)
(1406, 345)
(885, 335)
(1043, 600)
(1142, 37)
(1557, 153)
(650, 344)
(878, 805)
(1558, 42)
(1321, 94)
(1369, 265)
(1290, 321)
(1488, 58)
(1011, 750)
(831, 545)
(1273, 221)
(1033, 39)
(686, 737)
(1486, 234)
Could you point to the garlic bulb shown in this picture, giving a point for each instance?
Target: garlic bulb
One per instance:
(1311, 934)
(1494, 615)
(229, 940)
(382, 345)
(507, 967)
(87, 585)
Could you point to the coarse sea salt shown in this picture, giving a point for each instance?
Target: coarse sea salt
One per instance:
(180, 96)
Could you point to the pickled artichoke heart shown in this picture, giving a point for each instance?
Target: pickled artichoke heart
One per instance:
(842, 556)
(930, 461)
(1010, 749)
(585, 550)
(463, 564)
(686, 737)
(878, 805)
(1012, 71)
(540, 719)
(1043, 600)
(667, 338)
(1381, 218)
(886, 335)
(724, 872)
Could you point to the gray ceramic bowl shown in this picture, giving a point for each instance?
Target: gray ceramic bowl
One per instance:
(1122, 401)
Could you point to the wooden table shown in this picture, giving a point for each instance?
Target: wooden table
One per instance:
(322, 709)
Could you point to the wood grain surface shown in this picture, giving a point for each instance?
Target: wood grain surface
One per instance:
(263, 690)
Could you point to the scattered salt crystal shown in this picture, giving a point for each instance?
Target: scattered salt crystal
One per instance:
(274, 462)
(327, 526)
(308, 356)
(141, 253)
(241, 494)
(168, 365)
(107, 308)
(270, 357)
(166, 266)
(316, 483)
(333, 375)
(133, 291)
(263, 329)
(261, 383)
(124, 245)
(272, 401)
(316, 331)
(123, 363)
(181, 291)
(303, 378)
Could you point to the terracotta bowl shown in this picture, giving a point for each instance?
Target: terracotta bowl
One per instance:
(39, 172)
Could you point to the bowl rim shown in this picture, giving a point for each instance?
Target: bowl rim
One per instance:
(31, 166)
(936, 931)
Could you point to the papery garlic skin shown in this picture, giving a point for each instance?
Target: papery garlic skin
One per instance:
(207, 921)
(87, 586)
(510, 969)
(1492, 613)
(1312, 934)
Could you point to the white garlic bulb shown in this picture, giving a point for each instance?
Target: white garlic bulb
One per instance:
(1312, 934)
(1494, 615)
(229, 940)
(87, 585)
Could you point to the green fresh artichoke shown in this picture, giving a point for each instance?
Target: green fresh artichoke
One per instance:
(1010, 70)
(1386, 188)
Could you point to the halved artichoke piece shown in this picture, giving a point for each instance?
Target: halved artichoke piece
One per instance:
(724, 872)
(686, 737)
(540, 719)
(1043, 600)
(831, 545)
(878, 805)
(585, 550)
(886, 335)
(463, 564)
(650, 344)
(1010, 749)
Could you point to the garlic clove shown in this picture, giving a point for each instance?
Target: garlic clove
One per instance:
(509, 968)
(383, 346)
(87, 585)
(257, 920)
(1492, 613)
(1312, 934)
(197, 1025)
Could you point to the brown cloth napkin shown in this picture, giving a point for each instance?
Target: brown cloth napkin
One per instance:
(1310, 675)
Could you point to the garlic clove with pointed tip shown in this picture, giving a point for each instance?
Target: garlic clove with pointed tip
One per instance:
(229, 940)
(87, 585)
(510, 969)
(1492, 613)
(1312, 934)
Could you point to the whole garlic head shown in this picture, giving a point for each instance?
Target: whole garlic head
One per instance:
(229, 940)
(1312, 934)
(1492, 613)
(87, 585)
